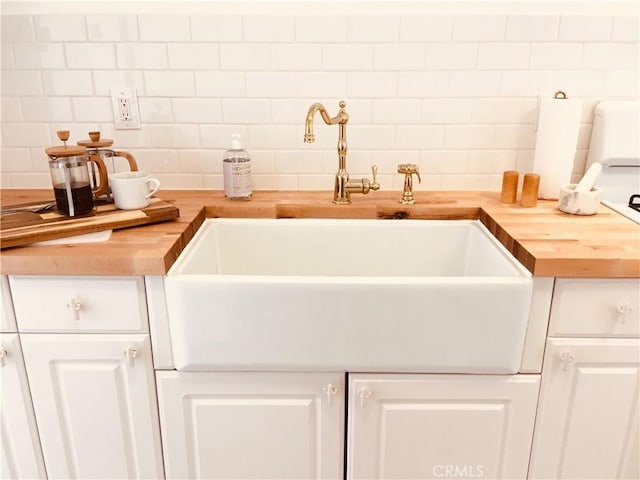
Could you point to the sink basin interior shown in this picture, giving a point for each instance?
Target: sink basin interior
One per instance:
(368, 248)
(347, 295)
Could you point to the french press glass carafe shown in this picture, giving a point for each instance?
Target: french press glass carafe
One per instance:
(70, 177)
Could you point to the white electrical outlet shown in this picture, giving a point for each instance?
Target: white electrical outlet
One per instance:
(126, 113)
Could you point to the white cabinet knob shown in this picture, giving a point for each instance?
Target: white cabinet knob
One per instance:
(567, 358)
(330, 391)
(75, 306)
(364, 394)
(130, 354)
(624, 311)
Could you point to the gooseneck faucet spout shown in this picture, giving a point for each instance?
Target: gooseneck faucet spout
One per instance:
(343, 185)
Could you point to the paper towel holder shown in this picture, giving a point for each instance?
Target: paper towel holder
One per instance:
(559, 95)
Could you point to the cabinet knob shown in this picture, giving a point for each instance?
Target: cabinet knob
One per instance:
(3, 355)
(131, 354)
(567, 358)
(364, 394)
(75, 306)
(624, 311)
(330, 391)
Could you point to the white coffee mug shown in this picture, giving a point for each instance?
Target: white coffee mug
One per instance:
(132, 190)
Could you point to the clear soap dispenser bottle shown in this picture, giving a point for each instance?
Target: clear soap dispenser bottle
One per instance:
(236, 170)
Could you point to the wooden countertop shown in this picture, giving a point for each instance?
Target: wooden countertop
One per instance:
(545, 240)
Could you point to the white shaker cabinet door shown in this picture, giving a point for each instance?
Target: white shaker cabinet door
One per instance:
(587, 424)
(20, 456)
(252, 425)
(7, 318)
(94, 400)
(440, 426)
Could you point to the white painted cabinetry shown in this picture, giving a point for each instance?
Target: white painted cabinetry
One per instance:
(587, 425)
(252, 425)
(20, 456)
(440, 426)
(90, 376)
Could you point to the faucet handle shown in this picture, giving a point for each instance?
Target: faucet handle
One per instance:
(374, 185)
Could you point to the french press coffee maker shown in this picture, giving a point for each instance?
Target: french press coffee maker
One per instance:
(68, 166)
(102, 148)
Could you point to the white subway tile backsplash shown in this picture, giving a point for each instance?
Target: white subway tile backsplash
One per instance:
(105, 80)
(479, 27)
(474, 83)
(626, 29)
(169, 84)
(474, 137)
(67, 82)
(455, 93)
(220, 84)
(45, 109)
(197, 110)
(532, 28)
(372, 84)
(271, 84)
(292, 56)
(605, 56)
(451, 56)
(373, 28)
(246, 110)
(321, 28)
(155, 110)
(426, 28)
(555, 56)
(95, 109)
(399, 56)
(321, 84)
(21, 82)
(346, 57)
(142, 56)
(503, 56)
(57, 28)
(219, 136)
(37, 55)
(586, 28)
(396, 111)
(94, 56)
(11, 109)
(423, 84)
(216, 28)
(15, 159)
(497, 110)
(420, 136)
(446, 110)
(110, 27)
(17, 28)
(237, 56)
(25, 134)
(203, 161)
(164, 28)
(193, 56)
(157, 161)
(268, 28)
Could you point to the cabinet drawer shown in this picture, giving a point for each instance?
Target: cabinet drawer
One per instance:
(595, 307)
(79, 304)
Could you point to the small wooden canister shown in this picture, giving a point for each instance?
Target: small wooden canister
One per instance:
(530, 188)
(509, 187)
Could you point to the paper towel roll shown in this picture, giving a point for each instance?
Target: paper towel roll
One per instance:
(556, 141)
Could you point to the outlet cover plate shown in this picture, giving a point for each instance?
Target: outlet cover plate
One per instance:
(126, 113)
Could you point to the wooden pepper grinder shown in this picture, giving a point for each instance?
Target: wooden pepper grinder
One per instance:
(530, 188)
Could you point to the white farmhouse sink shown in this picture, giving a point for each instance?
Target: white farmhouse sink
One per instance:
(347, 295)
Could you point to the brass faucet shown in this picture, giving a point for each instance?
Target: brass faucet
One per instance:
(344, 186)
(409, 170)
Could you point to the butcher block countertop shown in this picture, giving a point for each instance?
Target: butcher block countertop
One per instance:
(545, 240)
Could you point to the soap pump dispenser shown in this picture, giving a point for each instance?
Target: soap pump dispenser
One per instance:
(236, 170)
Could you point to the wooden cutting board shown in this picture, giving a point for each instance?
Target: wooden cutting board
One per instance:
(28, 227)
